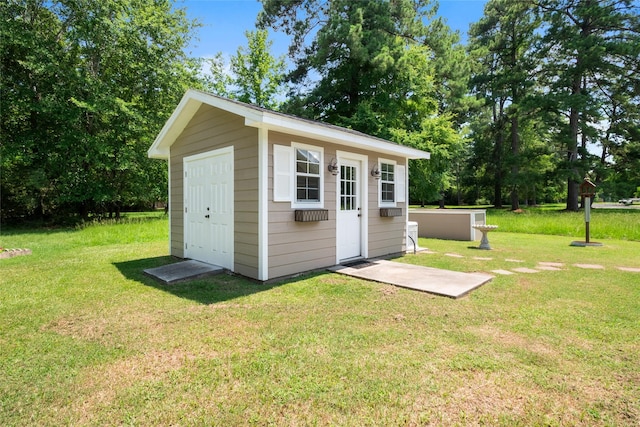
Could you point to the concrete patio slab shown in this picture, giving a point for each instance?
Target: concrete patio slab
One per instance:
(182, 271)
(584, 244)
(452, 284)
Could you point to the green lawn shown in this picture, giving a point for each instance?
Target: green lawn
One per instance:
(87, 339)
(605, 223)
(552, 219)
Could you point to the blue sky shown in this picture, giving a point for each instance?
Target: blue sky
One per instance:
(225, 21)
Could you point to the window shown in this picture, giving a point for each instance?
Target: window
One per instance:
(387, 183)
(392, 184)
(348, 188)
(298, 175)
(308, 177)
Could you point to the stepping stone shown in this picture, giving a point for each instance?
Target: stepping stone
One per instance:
(513, 260)
(589, 266)
(631, 269)
(183, 271)
(548, 268)
(525, 270)
(455, 255)
(480, 258)
(503, 272)
(551, 264)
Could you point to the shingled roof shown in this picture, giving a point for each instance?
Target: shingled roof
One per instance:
(262, 118)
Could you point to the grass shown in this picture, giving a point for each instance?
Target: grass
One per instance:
(621, 224)
(552, 219)
(87, 339)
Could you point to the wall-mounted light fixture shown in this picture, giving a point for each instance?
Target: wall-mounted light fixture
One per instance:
(333, 167)
(375, 172)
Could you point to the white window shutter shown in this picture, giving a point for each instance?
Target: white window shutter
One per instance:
(282, 173)
(401, 184)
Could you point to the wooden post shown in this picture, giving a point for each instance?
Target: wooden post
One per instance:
(587, 216)
(587, 190)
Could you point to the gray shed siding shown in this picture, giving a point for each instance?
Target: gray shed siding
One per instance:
(208, 130)
(301, 246)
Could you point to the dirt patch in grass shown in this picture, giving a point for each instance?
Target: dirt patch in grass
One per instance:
(10, 253)
(219, 306)
(100, 386)
(512, 339)
(493, 398)
(481, 396)
(563, 395)
(110, 330)
(388, 290)
(79, 327)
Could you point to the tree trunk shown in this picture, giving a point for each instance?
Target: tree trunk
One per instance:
(497, 157)
(534, 200)
(572, 149)
(515, 168)
(459, 194)
(574, 126)
(497, 183)
(515, 137)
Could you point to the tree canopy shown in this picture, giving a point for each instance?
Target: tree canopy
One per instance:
(543, 93)
(86, 85)
(568, 70)
(371, 66)
(253, 75)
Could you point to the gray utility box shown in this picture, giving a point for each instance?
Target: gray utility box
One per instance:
(449, 224)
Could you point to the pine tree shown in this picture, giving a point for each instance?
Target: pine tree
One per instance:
(503, 42)
(587, 47)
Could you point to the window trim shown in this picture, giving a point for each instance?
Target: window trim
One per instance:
(381, 203)
(295, 203)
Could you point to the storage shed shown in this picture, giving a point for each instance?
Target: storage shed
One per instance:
(268, 195)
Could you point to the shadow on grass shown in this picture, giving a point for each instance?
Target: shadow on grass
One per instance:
(210, 290)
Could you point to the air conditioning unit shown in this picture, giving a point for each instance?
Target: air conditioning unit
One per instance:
(412, 236)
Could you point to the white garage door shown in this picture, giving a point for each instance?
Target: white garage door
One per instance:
(208, 215)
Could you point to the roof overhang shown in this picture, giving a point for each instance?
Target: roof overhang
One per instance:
(265, 119)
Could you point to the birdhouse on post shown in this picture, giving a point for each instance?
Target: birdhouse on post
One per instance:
(587, 188)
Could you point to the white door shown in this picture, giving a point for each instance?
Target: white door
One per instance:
(349, 210)
(208, 216)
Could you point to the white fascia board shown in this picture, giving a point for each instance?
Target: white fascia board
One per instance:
(184, 112)
(330, 134)
(173, 127)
